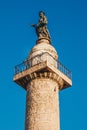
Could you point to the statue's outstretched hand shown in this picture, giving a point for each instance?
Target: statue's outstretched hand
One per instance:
(33, 25)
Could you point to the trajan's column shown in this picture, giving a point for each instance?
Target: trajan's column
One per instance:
(42, 76)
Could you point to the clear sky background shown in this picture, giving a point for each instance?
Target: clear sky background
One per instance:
(68, 28)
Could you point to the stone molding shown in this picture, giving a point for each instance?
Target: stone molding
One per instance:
(50, 75)
(43, 40)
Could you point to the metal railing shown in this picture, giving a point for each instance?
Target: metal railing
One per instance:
(64, 70)
(28, 63)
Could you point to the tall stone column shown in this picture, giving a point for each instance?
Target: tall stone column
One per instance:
(42, 101)
(42, 76)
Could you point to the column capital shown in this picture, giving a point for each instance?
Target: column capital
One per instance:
(47, 75)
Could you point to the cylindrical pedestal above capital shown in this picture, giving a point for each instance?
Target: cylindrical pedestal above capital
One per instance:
(43, 40)
(42, 105)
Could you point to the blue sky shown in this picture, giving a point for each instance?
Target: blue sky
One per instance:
(68, 29)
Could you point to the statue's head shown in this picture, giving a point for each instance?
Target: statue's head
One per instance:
(41, 13)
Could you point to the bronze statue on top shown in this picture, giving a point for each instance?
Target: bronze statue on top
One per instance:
(41, 28)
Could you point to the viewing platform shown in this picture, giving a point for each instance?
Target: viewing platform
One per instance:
(41, 62)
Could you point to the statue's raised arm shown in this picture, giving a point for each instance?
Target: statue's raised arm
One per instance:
(41, 27)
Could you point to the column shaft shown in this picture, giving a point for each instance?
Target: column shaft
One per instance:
(42, 105)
